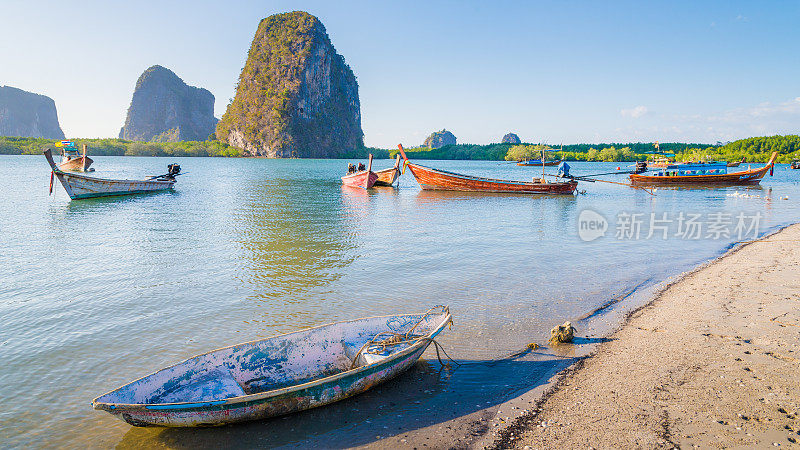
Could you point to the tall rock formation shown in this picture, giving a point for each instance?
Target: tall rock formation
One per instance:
(296, 96)
(25, 114)
(165, 109)
(439, 139)
(511, 138)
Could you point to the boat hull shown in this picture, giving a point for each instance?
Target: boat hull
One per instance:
(276, 360)
(80, 187)
(387, 177)
(78, 164)
(364, 179)
(744, 178)
(224, 412)
(434, 179)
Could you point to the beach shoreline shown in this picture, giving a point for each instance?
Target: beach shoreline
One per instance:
(718, 373)
(517, 422)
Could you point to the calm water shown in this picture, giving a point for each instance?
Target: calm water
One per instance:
(96, 293)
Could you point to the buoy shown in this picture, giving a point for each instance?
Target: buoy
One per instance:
(618, 168)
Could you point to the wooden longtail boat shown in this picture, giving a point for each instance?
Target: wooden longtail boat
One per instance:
(82, 186)
(703, 174)
(794, 165)
(736, 164)
(387, 177)
(72, 160)
(435, 179)
(277, 375)
(363, 179)
(538, 162)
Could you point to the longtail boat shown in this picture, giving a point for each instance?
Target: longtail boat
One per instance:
(538, 162)
(74, 161)
(435, 179)
(736, 163)
(277, 375)
(363, 178)
(703, 174)
(794, 165)
(387, 177)
(82, 186)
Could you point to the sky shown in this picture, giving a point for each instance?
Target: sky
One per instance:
(549, 71)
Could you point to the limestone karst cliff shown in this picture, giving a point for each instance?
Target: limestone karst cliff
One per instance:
(439, 139)
(25, 114)
(165, 109)
(296, 96)
(511, 138)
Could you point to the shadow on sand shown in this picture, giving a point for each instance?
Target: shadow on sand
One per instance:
(425, 395)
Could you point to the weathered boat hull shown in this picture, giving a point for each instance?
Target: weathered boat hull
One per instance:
(269, 359)
(364, 179)
(79, 164)
(441, 180)
(82, 186)
(387, 177)
(744, 178)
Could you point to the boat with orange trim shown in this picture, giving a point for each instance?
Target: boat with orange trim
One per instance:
(435, 179)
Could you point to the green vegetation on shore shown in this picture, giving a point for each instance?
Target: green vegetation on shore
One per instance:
(756, 149)
(120, 147)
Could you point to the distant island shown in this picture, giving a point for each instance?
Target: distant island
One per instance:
(755, 149)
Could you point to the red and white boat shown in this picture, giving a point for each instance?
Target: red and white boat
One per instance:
(362, 179)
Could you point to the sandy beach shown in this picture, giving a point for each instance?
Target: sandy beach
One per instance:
(712, 362)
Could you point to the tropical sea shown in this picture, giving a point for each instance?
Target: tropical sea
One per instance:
(96, 293)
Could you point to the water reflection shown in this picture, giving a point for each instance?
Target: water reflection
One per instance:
(293, 241)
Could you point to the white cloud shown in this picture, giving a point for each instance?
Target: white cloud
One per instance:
(634, 113)
(763, 119)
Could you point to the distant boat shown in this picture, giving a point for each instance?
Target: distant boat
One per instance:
(736, 163)
(794, 165)
(361, 178)
(387, 177)
(538, 162)
(435, 179)
(74, 161)
(277, 375)
(703, 174)
(82, 186)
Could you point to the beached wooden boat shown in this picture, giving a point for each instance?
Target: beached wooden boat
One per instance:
(435, 179)
(73, 161)
(703, 174)
(82, 186)
(538, 162)
(277, 375)
(363, 178)
(387, 177)
(736, 163)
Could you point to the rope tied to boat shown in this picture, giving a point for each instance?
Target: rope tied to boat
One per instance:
(376, 345)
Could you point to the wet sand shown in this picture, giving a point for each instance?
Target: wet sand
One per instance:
(712, 362)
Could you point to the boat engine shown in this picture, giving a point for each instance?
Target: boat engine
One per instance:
(173, 170)
(641, 166)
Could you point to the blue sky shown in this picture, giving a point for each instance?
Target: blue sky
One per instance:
(551, 71)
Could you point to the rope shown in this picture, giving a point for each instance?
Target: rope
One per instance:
(395, 339)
